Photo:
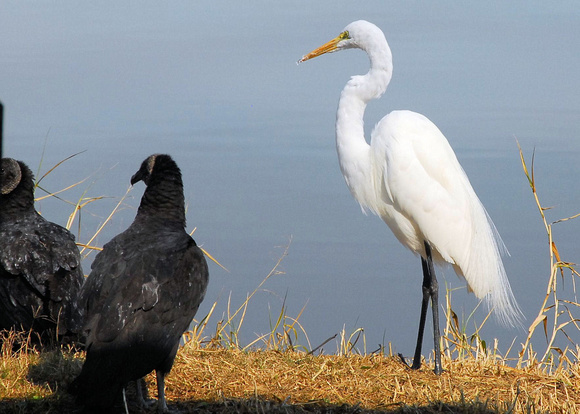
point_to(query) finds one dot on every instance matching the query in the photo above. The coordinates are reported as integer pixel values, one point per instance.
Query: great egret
(410, 177)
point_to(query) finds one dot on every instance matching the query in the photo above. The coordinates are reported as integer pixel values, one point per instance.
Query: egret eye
(344, 35)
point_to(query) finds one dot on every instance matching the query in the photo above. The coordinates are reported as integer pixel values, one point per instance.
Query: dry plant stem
(284, 330)
(55, 193)
(551, 290)
(195, 336)
(88, 244)
(55, 166)
(79, 205)
(209, 256)
(243, 307)
(347, 346)
(213, 259)
(455, 340)
(277, 341)
(552, 281)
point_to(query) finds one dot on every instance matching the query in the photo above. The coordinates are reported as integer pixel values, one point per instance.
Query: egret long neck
(353, 150)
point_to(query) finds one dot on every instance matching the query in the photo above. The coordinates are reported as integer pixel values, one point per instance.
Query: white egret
(410, 177)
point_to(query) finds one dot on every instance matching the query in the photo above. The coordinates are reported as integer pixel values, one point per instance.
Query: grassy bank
(213, 379)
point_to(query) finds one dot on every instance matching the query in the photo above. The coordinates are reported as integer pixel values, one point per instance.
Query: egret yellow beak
(325, 48)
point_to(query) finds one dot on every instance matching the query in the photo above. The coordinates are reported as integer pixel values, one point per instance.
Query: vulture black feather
(40, 269)
(142, 294)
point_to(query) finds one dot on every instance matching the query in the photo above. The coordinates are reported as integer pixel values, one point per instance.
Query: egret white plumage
(411, 178)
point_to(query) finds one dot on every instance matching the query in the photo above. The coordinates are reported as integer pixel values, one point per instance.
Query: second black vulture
(40, 264)
(142, 294)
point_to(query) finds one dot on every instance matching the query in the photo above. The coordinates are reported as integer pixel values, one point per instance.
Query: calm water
(215, 84)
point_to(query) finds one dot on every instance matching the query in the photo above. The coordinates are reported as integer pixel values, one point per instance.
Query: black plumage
(142, 294)
(40, 269)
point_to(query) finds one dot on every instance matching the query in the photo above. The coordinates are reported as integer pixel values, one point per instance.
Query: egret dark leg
(430, 291)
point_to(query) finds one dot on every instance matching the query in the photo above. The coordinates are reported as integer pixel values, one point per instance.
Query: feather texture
(143, 291)
(40, 269)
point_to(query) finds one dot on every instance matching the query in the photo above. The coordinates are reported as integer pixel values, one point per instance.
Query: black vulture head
(16, 187)
(155, 165)
(163, 196)
(11, 175)
(145, 170)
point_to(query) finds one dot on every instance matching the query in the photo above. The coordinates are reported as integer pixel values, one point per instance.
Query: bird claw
(437, 370)
(404, 361)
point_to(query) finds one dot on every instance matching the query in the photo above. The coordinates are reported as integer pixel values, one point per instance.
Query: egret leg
(430, 291)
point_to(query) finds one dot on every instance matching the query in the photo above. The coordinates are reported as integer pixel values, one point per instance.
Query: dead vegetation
(370, 382)
(207, 379)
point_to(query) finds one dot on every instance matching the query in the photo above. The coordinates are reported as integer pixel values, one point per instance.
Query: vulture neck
(20, 200)
(163, 200)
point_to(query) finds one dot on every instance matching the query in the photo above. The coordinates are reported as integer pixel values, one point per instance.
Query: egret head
(360, 34)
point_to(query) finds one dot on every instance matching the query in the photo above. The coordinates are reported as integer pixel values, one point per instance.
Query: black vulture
(40, 264)
(142, 294)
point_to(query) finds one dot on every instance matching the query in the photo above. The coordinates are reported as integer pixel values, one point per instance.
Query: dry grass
(210, 379)
(280, 372)
(371, 382)
(33, 381)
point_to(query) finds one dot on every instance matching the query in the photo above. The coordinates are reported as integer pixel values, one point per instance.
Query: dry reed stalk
(230, 338)
(553, 306)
